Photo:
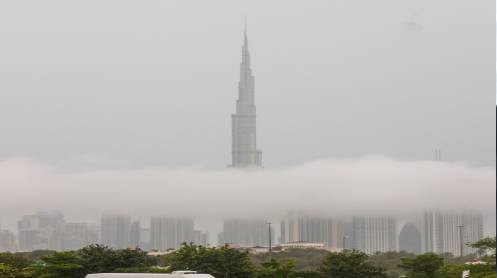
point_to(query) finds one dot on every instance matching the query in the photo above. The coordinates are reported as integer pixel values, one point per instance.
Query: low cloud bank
(335, 188)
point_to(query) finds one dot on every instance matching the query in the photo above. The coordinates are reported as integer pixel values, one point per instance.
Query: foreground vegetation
(224, 262)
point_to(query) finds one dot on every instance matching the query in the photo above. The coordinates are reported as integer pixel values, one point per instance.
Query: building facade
(301, 228)
(42, 230)
(77, 235)
(374, 234)
(115, 231)
(245, 232)
(169, 233)
(410, 239)
(244, 136)
(442, 231)
(7, 241)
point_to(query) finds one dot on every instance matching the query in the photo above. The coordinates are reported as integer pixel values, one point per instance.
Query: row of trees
(225, 262)
(76, 264)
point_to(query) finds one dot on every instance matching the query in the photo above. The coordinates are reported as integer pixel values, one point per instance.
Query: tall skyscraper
(244, 139)
(115, 231)
(374, 234)
(169, 233)
(441, 232)
(298, 227)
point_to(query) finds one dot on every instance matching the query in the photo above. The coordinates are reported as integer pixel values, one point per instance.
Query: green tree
(486, 246)
(59, 265)
(222, 262)
(97, 258)
(7, 271)
(423, 266)
(452, 271)
(349, 265)
(15, 260)
(18, 263)
(132, 258)
(276, 269)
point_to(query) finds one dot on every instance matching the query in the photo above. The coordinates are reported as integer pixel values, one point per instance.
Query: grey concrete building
(115, 231)
(296, 227)
(374, 234)
(169, 232)
(441, 232)
(7, 241)
(245, 232)
(410, 239)
(244, 137)
(42, 230)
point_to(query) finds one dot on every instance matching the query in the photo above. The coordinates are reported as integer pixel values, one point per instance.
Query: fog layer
(335, 188)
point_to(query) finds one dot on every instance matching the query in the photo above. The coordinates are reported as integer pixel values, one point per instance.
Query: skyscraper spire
(245, 40)
(244, 143)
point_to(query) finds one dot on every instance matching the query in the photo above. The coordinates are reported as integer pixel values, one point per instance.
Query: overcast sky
(145, 83)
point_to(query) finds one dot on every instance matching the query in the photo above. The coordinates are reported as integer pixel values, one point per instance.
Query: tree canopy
(349, 265)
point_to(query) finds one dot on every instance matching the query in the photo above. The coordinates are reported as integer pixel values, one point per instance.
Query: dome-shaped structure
(410, 239)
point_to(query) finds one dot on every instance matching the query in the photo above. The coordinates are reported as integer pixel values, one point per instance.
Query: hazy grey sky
(153, 83)
(147, 88)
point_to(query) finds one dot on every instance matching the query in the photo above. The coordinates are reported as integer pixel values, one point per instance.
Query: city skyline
(350, 121)
(431, 231)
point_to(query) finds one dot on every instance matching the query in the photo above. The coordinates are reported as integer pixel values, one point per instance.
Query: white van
(175, 274)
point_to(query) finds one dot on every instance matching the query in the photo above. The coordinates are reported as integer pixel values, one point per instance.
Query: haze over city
(127, 109)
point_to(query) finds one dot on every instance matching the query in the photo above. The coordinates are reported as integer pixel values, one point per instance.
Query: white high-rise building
(245, 232)
(7, 241)
(200, 238)
(441, 232)
(374, 234)
(115, 231)
(77, 235)
(169, 233)
(244, 135)
(134, 234)
(43, 230)
(300, 228)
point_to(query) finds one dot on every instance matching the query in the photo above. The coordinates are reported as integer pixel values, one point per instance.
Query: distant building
(301, 228)
(145, 239)
(244, 132)
(43, 230)
(115, 231)
(245, 232)
(441, 234)
(7, 241)
(78, 235)
(410, 239)
(134, 234)
(374, 234)
(169, 233)
(200, 238)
